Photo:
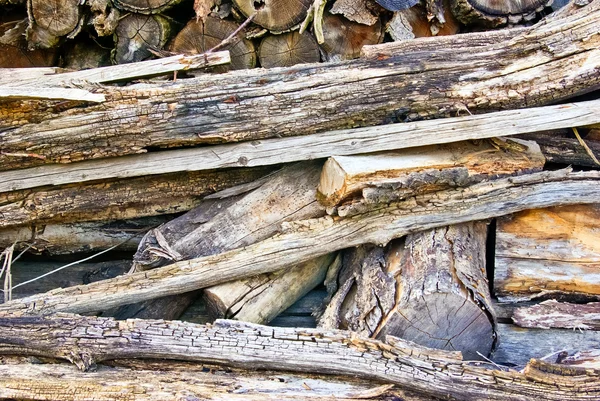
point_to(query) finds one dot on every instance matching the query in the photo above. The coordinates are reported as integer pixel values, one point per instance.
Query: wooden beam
(283, 150)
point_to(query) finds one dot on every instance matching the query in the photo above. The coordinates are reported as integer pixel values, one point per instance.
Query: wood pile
(300, 200)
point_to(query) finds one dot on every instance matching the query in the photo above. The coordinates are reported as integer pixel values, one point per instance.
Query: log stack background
(195, 196)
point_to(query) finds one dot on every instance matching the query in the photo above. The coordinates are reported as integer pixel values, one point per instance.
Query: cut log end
(274, 15)
(288, 49)
(137, 34)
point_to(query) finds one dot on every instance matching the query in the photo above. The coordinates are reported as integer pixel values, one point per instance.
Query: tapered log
(136, 34)
(198, 37)
(552, 313)
(61, 239)
(167, 381)
(260, 299)
(488, 13)
(304, 240)
(87, 340)
(288, 49)
(50, 20)
(463, 163)
(274, 15)
(118, 199)
(14, 52)
(345, 39)
(418, 79)
(547, 251)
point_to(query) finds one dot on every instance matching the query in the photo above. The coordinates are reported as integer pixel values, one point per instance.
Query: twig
(587, 149)
(230, 38)
(488, 360)
(23, 251)
(6, 266)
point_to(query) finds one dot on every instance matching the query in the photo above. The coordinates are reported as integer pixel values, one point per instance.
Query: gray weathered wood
(303, 240)
(282, 150)
(556, 314)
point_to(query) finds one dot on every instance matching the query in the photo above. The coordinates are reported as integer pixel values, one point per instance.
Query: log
(344, 39)
(198, 37)
(413, 23)
(281, 150)
(145, 7)
(136, 34)
(89, 340)
(288, 49)
(548, 251)
(45, 30)
(262, 298)
(345, 176)
(118, 199)
(61, 239)
(274, 15)
(304, 240)
(482, 72)
(154, 381)
(14, 52)
(491, 14)
(556, 314)
(364, 12)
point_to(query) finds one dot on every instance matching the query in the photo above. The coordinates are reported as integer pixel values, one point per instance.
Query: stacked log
(423, 244)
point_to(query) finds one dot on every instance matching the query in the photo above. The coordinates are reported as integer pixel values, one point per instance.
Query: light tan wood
(548, 251)
(136, 34)
(10, 93)
(46, 29)
(274, 15)
(345, 176)
(304, 240)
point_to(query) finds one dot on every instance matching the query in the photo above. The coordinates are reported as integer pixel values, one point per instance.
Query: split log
(304, 240)
(462, 163)
(260, 299)
(288, 49)
(281, 150)
(61, 239)
(517, 345)
(51, 20)
(154, 381)
(88, 340)
(412, 289)
(136, 34)
(548, 251)
(118, 199)
(345, 39)
(198, 37)
(482, 72)
(491, 14)
(274, 15)
(552, 313)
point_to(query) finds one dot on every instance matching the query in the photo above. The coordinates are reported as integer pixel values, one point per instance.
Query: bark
(117, 199)
(556, 314)
(301, 241)
(548, 251)
(86, 341)
(281, 150)
(288, 49)
(464, 163)
(482, 72)
(175, 381)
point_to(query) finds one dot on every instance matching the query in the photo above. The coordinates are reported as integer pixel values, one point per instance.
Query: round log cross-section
(288, 49)
(198, 37)
(136, 33)
(275, 15)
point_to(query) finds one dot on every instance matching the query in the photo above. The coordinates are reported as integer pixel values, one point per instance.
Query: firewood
(274, 15)
(463, 162)
(345, 39)
(200, 36)
(45, 27)
(548, 251)
(413, 23)
(14, 52)
(136, 34)
(301, 241)
(118, 199)
(288, 49)
(145, 6)
(492, 14)
(89, 340)
(552, 313)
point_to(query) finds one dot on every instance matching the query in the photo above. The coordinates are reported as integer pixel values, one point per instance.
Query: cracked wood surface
(88, 340)
(301, 241)
(553, 60)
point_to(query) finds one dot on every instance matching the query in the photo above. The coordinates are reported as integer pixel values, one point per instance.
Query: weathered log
(547, 251)
(88, 340)
(556, 314)
(168, 381)
(274, 15)
(51, 20)
(288, 49)
(118, 199)
(482, 72)
(136, 34)
(198, 37)
(260, 299)
(304, 240)
(345, 176)
(517, 345)
(61, 239)
(281, 150)
(345, 39)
